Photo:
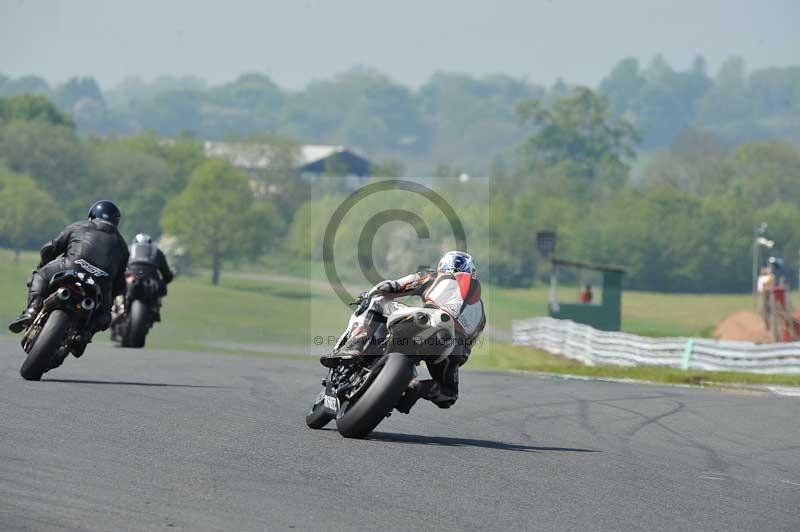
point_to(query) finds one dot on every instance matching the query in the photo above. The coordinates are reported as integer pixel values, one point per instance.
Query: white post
(553, 287)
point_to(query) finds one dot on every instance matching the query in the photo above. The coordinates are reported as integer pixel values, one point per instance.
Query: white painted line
(790, 482)
(711, 478)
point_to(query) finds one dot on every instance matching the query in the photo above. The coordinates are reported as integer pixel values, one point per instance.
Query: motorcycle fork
(33, 330)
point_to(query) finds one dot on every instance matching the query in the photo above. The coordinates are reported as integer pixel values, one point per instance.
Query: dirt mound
(744, 325)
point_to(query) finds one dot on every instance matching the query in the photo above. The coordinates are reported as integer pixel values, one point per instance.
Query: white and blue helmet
(458, 261)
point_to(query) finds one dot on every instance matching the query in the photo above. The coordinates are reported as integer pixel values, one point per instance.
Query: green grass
(195, 313)
(643, 313)
(12, 284)
(495, 356)
(244, 315)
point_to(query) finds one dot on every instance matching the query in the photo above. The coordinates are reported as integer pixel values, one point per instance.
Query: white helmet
(458, 261)
(142, 238)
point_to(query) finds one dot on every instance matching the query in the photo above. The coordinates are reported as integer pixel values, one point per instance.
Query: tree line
(680, 218)
(452, 122)
(49, 176)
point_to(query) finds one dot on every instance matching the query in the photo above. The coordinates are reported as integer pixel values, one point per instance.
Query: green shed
(605, 314)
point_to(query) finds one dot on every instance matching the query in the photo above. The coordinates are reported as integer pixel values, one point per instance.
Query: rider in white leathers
(454, 288)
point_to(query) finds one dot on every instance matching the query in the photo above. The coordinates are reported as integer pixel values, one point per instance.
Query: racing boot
(78, 347)
(352, 348)
(83, 339)
(409, 398)
(28, 315)
(100, 322)
(426, 389)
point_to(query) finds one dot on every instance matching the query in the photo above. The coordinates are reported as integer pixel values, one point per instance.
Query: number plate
(331, 403)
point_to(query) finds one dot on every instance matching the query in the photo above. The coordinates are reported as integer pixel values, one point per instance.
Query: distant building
(312, 159)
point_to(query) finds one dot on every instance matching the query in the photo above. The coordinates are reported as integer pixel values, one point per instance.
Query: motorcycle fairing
(427, 326)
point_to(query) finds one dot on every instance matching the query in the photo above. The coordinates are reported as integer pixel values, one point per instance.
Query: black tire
(318, 416)
(48, 341)
(139, 324)
(378, 400)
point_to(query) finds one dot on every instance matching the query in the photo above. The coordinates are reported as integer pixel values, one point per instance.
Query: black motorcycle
(69, 305)
(135, 314)
(361, 392)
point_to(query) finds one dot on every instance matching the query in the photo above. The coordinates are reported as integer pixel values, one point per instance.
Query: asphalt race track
(157, 440)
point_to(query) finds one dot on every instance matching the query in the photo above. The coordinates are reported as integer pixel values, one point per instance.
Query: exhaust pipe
(62, 294)
(87, 304)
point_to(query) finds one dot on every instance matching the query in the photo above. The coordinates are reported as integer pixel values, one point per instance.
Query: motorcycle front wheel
(318, 416)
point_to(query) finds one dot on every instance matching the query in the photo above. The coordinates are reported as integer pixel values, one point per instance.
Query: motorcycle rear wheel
(139, 324)
(46, 345)
(375, 403)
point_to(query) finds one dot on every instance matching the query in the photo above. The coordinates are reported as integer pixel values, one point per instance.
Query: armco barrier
(592, 346)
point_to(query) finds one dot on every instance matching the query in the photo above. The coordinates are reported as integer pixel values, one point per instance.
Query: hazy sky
(296, 41)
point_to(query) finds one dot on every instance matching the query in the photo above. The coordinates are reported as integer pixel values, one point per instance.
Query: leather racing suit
(460, 296)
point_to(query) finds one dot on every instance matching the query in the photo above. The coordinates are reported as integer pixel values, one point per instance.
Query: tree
(666, 104)
(171, 113)
(729, 102)
(252, 91)
(216, 216)
(27, 213)
(30, 107)
(25, 85)
(52, 155)
(579, 134)
(77, 89)
(388, 168)
(697, 162)
(139, 182)
(623, 85)
(768, 172)
(279, 179)
(473, 118)
(360, 107)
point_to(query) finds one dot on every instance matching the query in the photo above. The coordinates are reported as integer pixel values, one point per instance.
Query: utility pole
(546, 244)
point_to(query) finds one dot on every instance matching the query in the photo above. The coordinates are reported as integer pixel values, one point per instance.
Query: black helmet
(106, 211)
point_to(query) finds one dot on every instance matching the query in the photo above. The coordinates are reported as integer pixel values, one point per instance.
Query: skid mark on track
(713, 458)
(582, 411)
(655, 419)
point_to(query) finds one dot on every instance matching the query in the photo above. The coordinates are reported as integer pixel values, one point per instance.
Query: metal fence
(592, 346)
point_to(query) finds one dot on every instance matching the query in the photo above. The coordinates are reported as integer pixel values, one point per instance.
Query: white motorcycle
(360, 392)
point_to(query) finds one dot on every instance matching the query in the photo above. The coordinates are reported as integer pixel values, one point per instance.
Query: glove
(362, 303)
(385, 287)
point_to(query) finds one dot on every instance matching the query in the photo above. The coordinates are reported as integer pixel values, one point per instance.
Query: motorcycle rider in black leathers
(145, 254)
(145, 257)
(95, 241)
(454, 288)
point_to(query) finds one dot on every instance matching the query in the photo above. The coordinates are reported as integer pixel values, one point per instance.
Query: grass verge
(497, 356)
(244, 312)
